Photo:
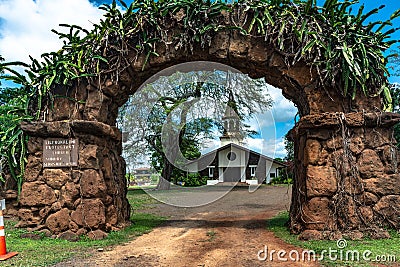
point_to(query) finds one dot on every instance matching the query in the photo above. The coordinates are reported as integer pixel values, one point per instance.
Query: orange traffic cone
(3, 249)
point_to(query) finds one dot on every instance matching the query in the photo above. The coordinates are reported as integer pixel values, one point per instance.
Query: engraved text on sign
(60, 152)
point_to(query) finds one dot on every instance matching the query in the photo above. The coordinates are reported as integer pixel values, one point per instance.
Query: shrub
(192, 180)
(281, 180)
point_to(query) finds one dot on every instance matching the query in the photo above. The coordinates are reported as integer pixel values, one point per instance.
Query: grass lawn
(384, 247)
(48, 251)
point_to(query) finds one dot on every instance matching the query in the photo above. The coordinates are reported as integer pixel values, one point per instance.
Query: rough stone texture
(111, 215)
(77, 199)
(33, 168)
(389, 208)
(55, 178)
(367, 214)
(69, 193)
(107, 168)
(90, 213)
(69, 235)
(45, 211)
(11, 197)
(81, 231)
(35, 145)
(36, 194)
(383, 184)
(321, 181)
(59, 221)
(356, 145)
(97, 235)
(348, 218)
(73, 226)
(351, 184)
(90, 157)
(316, 214)
(369, 164)
(311, 155)
(92, 184)
(353, 235)
(368, 198)
(334, 235)
(96, 106)
(56, 206)
(379, 234)
(27, 218)
(311, 235)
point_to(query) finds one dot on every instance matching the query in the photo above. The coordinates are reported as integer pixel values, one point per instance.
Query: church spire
(232, 124)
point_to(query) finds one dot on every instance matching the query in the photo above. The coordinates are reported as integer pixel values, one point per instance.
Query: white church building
(232, 161)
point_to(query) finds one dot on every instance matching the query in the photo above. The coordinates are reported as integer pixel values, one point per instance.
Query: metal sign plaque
(60, 152)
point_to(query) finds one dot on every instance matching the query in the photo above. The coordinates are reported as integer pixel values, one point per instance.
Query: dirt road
(227, 232)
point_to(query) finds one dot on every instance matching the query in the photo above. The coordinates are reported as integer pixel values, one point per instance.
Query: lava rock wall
(347, 178)
(75, 200)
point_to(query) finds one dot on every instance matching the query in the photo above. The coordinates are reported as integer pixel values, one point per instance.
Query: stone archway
(346, 168)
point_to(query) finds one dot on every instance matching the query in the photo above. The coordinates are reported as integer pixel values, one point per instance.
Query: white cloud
(26, 25)
(255, 144)
(282, 109)
(274, 148)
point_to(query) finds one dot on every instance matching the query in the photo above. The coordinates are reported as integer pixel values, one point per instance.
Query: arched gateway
(346, 174)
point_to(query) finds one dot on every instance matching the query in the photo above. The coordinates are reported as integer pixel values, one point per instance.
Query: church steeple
(232, 124)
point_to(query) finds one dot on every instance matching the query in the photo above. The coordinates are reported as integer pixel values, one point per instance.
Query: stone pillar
(346, 177)
(75, 200)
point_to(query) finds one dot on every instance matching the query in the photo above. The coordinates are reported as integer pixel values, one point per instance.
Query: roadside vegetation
(44, 251)
(383, 247)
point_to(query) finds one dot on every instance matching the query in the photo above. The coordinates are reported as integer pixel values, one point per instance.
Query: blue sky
(25, 29)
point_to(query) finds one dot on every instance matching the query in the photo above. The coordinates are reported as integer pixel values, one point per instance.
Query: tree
(289, 147)
(394, 64)
(170, 118)
(169, 139)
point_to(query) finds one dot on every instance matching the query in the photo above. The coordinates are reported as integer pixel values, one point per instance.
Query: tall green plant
(346, 52)
(13, 110)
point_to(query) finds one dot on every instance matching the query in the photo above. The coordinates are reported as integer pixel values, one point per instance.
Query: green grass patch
(49, 251)
(139, 199)
(383, 247)
(146, 187)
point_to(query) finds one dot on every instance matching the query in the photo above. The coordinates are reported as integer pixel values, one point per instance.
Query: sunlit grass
(386, 247)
